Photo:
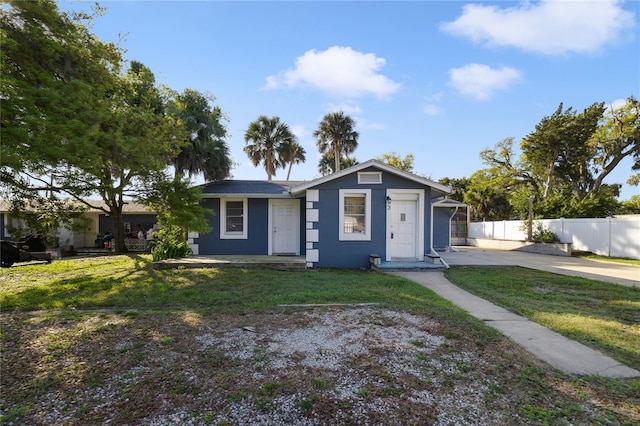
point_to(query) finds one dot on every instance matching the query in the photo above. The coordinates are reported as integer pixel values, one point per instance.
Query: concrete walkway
(564, 354)
(618, 273)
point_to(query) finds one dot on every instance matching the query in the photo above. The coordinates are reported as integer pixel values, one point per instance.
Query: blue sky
(441, 80)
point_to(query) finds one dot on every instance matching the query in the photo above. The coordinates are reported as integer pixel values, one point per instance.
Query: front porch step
(407, 267)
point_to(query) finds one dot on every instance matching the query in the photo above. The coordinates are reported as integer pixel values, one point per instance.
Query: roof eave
(442, 189)
(245, 195)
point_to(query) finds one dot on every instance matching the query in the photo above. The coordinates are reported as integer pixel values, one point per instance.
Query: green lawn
(602, 315)
(61, 321)
(625, 260)
(128, 282)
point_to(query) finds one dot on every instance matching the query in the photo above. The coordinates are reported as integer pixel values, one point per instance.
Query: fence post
(609, 236)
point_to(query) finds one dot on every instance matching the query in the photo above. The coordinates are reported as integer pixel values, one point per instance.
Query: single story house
(336, 221)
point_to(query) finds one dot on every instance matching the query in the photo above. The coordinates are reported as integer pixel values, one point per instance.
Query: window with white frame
(355, 215)
(233, 218)
(369, 178)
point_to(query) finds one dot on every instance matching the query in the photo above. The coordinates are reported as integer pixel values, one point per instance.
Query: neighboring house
(335, 221)
(96, 223)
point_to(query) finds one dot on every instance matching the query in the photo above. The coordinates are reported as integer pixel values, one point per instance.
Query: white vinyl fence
(611, 236)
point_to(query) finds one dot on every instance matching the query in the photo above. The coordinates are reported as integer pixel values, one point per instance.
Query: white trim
(313, 195)
(224, 235)
(369, 178)
(246, 195)
(312, 256)
(447, 202)
(372, 163)
(408, 195)
(313, 215)
(313, 235)
(364, 236)
(270, 221)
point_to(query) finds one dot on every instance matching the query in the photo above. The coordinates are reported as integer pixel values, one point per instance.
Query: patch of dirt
(297, 367)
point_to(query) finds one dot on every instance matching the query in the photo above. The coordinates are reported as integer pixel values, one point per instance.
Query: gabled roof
(439, 188)
(248, 188)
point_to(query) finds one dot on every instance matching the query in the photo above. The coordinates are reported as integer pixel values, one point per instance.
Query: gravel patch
(335, 366)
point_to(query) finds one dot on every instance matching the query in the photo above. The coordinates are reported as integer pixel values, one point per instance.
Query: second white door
(402, 232)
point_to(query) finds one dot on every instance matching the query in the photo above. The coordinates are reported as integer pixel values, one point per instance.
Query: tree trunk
(547, 187)
(118, 230)
(289, 171)
(336, 154)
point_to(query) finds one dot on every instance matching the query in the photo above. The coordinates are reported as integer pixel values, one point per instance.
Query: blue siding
(257, 231)
(334, 253)
(441, 237)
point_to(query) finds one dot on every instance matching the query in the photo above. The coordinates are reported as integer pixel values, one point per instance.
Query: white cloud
(481, 81)
(347, 108)
(300, 131)
(548, 27)
(370, 126)
(339, 71)
(432, 109)
(432, 104)
(616, 104)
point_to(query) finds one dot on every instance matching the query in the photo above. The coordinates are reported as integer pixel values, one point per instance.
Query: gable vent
(370, 178)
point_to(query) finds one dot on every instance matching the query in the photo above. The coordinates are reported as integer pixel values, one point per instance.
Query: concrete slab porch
(280, 263)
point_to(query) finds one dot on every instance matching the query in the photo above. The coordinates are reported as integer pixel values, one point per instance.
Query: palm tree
(327, 165)
(207, 152)
(267, 135)
(335, 137)
(291, 153)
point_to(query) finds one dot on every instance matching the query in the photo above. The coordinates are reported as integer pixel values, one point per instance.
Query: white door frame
(283, 202)
(416, 195)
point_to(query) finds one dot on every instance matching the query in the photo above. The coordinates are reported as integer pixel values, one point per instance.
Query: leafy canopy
(74, 126)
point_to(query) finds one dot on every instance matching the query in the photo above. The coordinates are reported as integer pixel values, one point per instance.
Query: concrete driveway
(617, 273)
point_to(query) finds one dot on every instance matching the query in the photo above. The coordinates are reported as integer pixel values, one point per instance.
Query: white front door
(402, 230)
(285, 227)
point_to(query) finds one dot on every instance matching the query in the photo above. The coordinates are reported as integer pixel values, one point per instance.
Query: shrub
(171, 244)
(541, 234)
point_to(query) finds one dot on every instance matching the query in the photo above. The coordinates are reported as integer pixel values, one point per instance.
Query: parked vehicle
(31, 248)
